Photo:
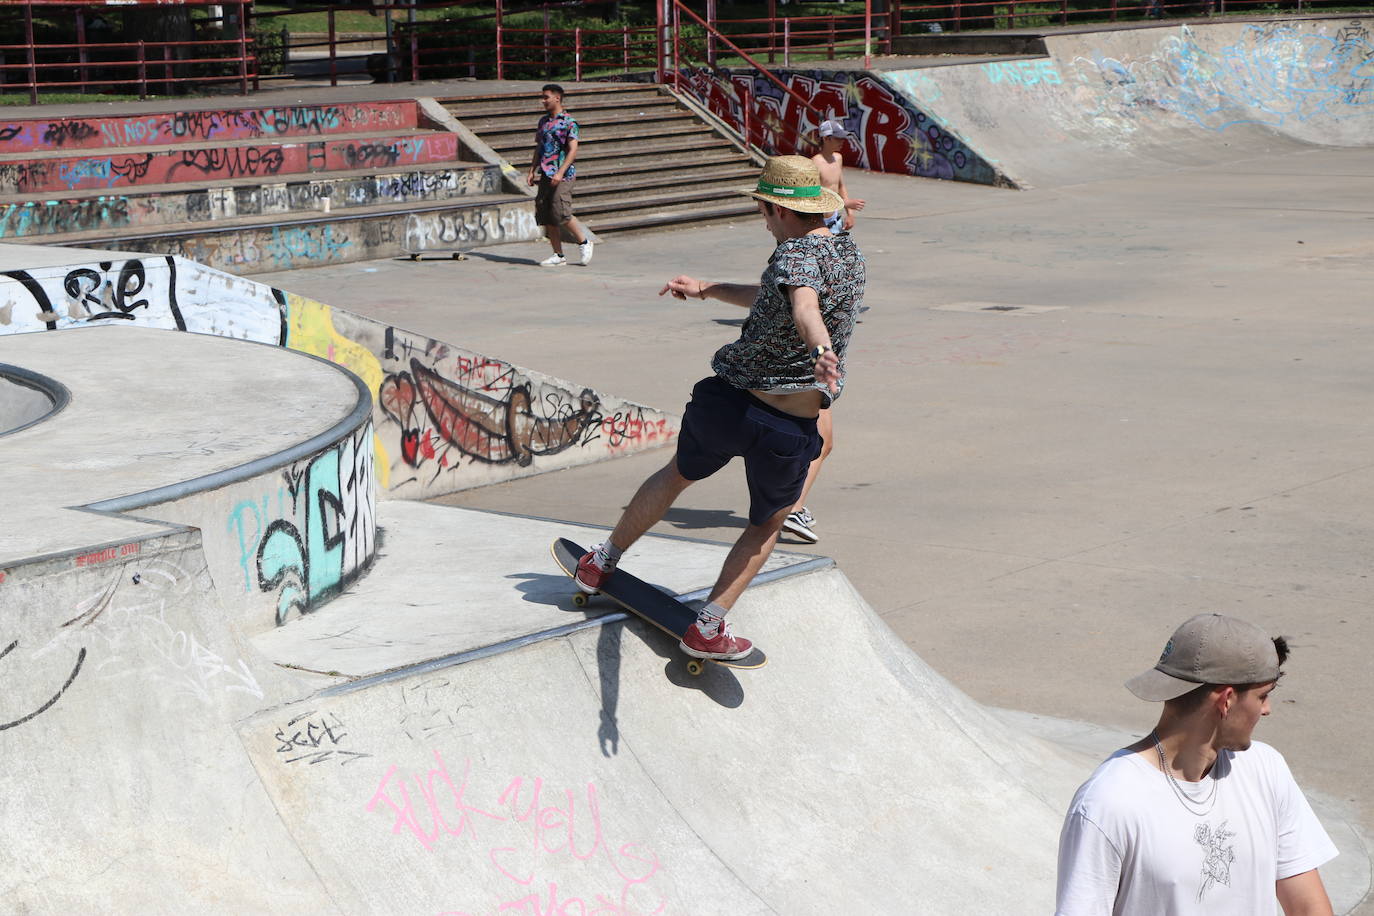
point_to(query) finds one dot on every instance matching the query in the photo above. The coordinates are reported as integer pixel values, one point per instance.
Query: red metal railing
(692, 70)
(91, 66)
(456, 47)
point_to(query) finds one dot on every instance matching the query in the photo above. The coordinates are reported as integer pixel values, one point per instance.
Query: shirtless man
(831, 166)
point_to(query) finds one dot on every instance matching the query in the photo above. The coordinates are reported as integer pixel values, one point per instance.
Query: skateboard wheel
(459, 256)
(415, 257)
(580, 599)
(695, 667)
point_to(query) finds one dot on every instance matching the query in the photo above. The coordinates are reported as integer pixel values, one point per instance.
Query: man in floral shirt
(765, 393)
(555, 149)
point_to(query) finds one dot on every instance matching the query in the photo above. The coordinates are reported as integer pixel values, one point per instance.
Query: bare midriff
(798, 404)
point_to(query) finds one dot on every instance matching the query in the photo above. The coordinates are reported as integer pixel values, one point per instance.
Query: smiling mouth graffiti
(497, 428)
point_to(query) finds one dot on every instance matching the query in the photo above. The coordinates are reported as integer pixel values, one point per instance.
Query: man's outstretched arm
(685, 287)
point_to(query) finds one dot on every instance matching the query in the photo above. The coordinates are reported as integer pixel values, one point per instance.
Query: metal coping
(55, 391)
(361, 412)
(814, 564)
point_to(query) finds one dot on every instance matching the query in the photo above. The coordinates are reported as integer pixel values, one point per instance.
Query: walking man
(1196, 818)
(555, 150)
(764, 395)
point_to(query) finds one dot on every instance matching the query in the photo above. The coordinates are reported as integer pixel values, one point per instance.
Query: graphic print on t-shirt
(1217, 855)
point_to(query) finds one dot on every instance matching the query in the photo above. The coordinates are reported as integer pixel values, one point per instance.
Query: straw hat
(793, 182)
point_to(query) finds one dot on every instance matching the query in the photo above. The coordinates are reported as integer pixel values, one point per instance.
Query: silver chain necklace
(1189, 803)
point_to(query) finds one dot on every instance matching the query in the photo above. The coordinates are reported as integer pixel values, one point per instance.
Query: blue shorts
(722, 422)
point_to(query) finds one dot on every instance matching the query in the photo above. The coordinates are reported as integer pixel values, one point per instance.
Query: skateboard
(648, 603)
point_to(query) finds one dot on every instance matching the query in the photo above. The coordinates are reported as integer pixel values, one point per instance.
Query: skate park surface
(1076, 416)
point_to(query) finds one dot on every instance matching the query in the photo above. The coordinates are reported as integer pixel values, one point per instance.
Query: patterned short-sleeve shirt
(551, 137)
(770, 355)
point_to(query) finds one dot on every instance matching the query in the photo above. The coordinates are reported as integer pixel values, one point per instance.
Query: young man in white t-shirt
(1196, 818)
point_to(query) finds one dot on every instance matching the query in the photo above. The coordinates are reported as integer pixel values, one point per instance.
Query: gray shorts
(553, 202)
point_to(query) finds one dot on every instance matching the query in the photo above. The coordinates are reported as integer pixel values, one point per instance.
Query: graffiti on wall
(444, 418)
(37, 134)
(135, 169)
(313, 532)
(470, 227)
(118, 211)
(884, 131)
(125, 623)
(141, 290)
(1274, 74)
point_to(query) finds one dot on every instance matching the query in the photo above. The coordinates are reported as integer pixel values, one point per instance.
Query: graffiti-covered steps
(254, 189)
(160, 206)
(645, 160)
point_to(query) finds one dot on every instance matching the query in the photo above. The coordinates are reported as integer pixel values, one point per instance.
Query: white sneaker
(802, 524)
(553, 260)
(586, 249)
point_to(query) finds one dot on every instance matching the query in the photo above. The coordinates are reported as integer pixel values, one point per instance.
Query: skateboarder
(555, 150)
(767, 389)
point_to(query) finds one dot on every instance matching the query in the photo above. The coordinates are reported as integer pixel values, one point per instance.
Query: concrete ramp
(590, 770)
(1113, 103)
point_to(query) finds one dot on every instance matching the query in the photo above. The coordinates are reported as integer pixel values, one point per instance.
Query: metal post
(577, 54)
(33, 62)
(390, 44)
(414, 53)
(625, 42)
(868, 32)
(894, 22)
(658, 41)
(772, 28)
(81, 54)
(500, 38)
(786, 43)
(677, 59)
(245, 12)
(333, 55)
(548, 67)
(958, 15)
(142, 71)
(711, 32)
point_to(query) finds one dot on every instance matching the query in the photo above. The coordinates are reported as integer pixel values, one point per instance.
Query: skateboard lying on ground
(649, 603)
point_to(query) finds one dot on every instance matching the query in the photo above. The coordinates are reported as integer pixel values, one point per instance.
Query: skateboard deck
(647, 603)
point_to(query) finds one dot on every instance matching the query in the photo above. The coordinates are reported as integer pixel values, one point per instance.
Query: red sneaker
(590, 575)
(722, 645)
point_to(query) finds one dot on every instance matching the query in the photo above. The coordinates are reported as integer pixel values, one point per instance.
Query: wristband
(819, 351)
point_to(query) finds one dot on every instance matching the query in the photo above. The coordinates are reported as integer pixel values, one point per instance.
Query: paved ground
(1172, 419)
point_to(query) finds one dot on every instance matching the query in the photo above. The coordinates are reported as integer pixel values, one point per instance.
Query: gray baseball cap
(1209, 649)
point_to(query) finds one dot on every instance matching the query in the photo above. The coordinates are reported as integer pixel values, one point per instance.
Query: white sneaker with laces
(801, 523)
(586, 249)
(553, 260)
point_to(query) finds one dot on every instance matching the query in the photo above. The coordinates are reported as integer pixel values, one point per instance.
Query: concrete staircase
(253, 189)
(645, 161)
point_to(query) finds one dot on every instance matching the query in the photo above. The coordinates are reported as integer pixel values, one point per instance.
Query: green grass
(65, 98)
(345, 20)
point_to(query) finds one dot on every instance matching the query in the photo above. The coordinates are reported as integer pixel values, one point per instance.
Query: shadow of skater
(703, 518)
(608, 666)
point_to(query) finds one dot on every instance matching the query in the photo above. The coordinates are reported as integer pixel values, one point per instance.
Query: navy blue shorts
(722, 422)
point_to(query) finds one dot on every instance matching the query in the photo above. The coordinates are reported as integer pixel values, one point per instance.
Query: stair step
(623, 132)
(656, 199)
(603, 151)
(217, 125)
(206, 164)
(524, 123)
(268, 221)
(734, 175)
(674, 218)
(36, 216)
